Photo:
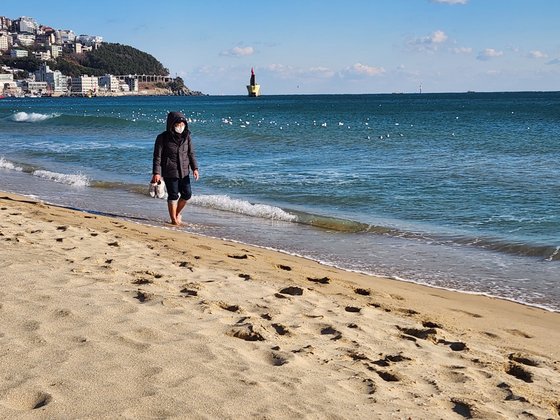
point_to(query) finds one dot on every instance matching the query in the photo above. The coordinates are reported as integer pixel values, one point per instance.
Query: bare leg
(172, 208)
(180, 206)
(175, 208)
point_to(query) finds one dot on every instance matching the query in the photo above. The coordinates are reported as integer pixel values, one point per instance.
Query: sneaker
(160, 189)
(152, 189)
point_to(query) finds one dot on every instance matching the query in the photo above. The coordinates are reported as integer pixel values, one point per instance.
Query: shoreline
(159, 322)
(316, 257)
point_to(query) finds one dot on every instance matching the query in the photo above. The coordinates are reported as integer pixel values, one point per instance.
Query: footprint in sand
(284, 267)
(228, 307)
(388, 359)
(519, 358)
(26, 399)
(280, 329)
(454, 345)
(337, 335)
(189, 292)
(519, 372)
(353, 309)
(407, 312)
(423, 334)
(462, 408)
(354, 355)
(292, 291)
(245, 332)
(143, 296)
(430, 324)
(323, 280)
(387, 376)
(519, 333)
(185, 264)
(238, 256)
(510, 396)
(363, 292)
(277, 358)
(245, 276)
(360, 385)
(142, 280)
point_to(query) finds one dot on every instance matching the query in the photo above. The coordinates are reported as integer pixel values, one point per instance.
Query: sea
(459, 191)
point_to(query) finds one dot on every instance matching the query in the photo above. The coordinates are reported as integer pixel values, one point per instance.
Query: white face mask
(179, 129)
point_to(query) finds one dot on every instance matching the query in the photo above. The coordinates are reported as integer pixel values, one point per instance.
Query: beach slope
(104, 318)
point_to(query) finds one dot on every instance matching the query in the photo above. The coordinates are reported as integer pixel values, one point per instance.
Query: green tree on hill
(122, 59)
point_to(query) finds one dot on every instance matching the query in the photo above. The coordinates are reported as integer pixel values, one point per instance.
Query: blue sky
(329, 46)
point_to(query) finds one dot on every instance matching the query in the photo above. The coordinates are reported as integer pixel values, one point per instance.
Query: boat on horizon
(253, 89)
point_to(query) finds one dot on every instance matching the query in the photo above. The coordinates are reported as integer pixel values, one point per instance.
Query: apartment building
(18, 53)
(4, 42)
(85, 85)
(56, 81)
(109, 83)
(25, 40)
(25, 25)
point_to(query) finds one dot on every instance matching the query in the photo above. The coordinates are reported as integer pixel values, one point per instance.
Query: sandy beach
(103, 318)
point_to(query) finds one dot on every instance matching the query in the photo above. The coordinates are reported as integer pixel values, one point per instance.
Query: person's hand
(195, 174)
(156, 178)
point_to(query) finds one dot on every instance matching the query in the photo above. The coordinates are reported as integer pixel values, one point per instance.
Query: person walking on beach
(174, 158)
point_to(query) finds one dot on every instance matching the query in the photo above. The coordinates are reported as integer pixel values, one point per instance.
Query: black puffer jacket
(174, 153)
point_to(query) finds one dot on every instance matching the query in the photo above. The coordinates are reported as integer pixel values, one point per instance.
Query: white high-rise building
(65, 36)
(109, 82)
(26, 40)
(4, 42)
(89, 40)
(85, 85)
(56, 50)
(57, 82)
(26, 25)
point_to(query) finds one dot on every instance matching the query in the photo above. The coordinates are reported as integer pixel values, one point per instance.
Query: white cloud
(359, 69)
(462, 50)
(537, 54)
(430, 42)
(239, 52)
(288, 72)
(451, 1)
(489, 53)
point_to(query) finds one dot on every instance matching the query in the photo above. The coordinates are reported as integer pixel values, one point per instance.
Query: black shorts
(178, 186)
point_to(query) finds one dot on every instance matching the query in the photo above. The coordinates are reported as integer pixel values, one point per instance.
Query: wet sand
(103, 318)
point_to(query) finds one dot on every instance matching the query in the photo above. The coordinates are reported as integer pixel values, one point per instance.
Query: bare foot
(179, 219)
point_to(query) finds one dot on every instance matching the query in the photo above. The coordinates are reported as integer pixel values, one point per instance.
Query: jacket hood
(175, 117)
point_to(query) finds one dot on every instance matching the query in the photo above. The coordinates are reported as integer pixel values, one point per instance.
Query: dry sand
(102, 318)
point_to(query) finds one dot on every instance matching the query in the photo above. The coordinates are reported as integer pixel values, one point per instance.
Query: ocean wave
(224, 202)
(32, 117)
(6, 164)
(76, 180)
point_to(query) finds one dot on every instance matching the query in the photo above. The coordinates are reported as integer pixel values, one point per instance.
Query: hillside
(110, 59)
(107, 59)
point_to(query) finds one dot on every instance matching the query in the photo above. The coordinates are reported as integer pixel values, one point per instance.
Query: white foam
(5, 164)
(224, 202)
(32, 117)
(76, 180)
